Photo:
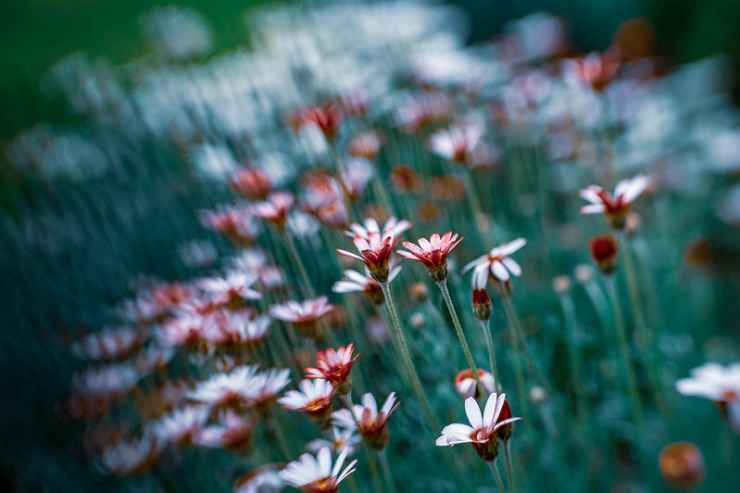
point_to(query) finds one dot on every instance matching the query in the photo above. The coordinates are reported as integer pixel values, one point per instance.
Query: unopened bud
(481, 304)
(682, 465)
(604, 250)
(420, 292)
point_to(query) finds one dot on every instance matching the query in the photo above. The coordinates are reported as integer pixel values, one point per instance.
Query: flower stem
(571, 328)
(625, 350)
(386, 471)
(509, 467)
(497, 476)
(486, 326)
(460, 334)
(299, 263)
(406, 356)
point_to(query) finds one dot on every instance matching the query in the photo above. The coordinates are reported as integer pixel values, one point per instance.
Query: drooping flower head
(616, 207)
(467, 386)
(720, 384)
(353, 281)
(376, 245)
(497, 265)
(481, 432)
(250, 182)
(314, 399)
(366, 418)
(334, 366)
(604, 250)
(456, 143)
(304, 315)
(316, 474)
(432, 253)
(275, 209)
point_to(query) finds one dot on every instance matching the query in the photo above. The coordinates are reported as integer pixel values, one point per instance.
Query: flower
(108, 344)
(353, 281)
(233, 433)
(614, 208)
(326, 119)
(224, 388)
(264, 387)
(482, 430)
(313, 399)
(365, 145)
(237, 329)
(316, 474)
(304, 315)
(720, 384)
(432, 253)
(235, 221)
(604, 250)
(466, 385)
(456, 143)
(366, 418)
(356, 174)
(481, 304)
(236, 286)
(275, 209)
(682, 465)
(375, 245)
(264, 479)
(496, 264)
(334, 366)
(340, 439)
(128, 458)
(180, 427)
(106, 381)
(250, 182)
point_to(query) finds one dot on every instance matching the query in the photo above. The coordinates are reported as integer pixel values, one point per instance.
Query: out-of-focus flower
(225, 389)
(198, 253)
(316, 474)
(177, 33)
(214, 162)
(497, 264)
(264, 479)
(234, 287)
(340, 440)
(237, 329)
(314, 399)
(432, 253)
(481, 432)
(161, 400)
(418, 113)
(406, 179)
(184, 330)
(365, 145)
(538, 36)
(233, 432)
(356, 174)
(326, 119)
(107, 381)
(303, 315)
(597, 69)
(250, 182)
(334, 366)
(130, 458)
(456, 143)
(108, 344)
(275, 209)
(375, 245)
(366, 418)
(682, 465)
(353, 282)
(616, 207)
(264, 387)
(718, 383)
(181, 427)
(481, 304)
(466, 385)
(604, 250)
(236, 222)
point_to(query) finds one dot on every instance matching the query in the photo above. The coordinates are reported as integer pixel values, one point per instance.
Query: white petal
(489, 412)
(499, 271)
(473, 412)
(512, 265)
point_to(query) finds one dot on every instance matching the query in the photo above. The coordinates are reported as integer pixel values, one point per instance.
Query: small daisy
(236, 222)
(481, 432)
(316, 474)
(334, 366)
(129, 458)
(264, 479)
(356, 174)
(466, 385)
(376, 246)
(238, 329)
(366, 418)
(432, 253)
(264, 387)
(354, 282)
(235, 286)
(326, 119)
(718, 383)
(183, 330)
(497, 264)
(304, 315)
(314, 399)
(224, 388)
(456, 143)
(108, 344)
(275, 209)
(233, 433)
(365, 145)
(616, 207)
(107, 381)
(250, 182)
(180, 427)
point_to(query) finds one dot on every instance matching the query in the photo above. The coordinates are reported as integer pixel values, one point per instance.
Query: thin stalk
(386, 471)
(486, 326)
(276, 431)
(497, 476)
(510, 479)
(406, 356)
(624, 349)
(571, 327)
(518, 332)
(299, 263)
(460, 334)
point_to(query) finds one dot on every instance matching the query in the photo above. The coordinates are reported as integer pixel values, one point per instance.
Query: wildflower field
(364, 256)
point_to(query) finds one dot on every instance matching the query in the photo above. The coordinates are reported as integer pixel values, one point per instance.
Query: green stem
(571, 328)
(625, 350)
(497, 476)
(486, 326)
(406, 357)
(509, 467)
(386, 471)
(299, 263)
(460, 334)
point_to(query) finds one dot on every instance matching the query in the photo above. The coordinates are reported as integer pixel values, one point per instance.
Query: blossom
(353, 281)
(238, 328)
(107, 381)
(432, 253)
(235, 221)
(456, 143)
(250, 182)
(128, 458)
(304, 315)
(616, 207)
(224, 388)
(376, 246)
(481, 432)
(720, 384)
(233, 432)
(356, 174)
(264, 387)
(334, 366)
(316, 474)
(264, 479)
(108, 344)
(275, 209)
(326, 119)
(314, 399)
(180, 427)
(235, 286)
(604, 249)
(496, 264)
(340, 439)
(365, 145)
(466, 385)
(481, 304)
(366, 418)
(183, 330)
